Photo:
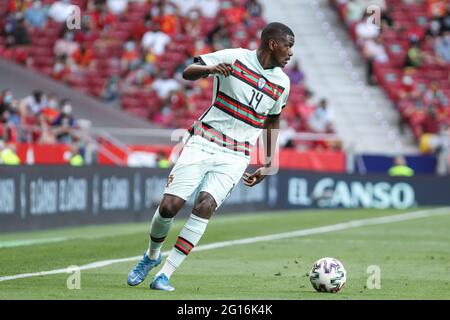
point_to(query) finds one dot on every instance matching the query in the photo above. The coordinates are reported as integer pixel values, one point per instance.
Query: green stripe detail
(249, 115)
(278, 93)
(184, 246)
(214, 136)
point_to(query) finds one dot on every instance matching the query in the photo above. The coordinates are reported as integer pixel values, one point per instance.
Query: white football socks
(189, 237)
(158, 231)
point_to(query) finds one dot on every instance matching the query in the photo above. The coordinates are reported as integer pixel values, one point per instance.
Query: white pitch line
(29, 242)
(271, 237)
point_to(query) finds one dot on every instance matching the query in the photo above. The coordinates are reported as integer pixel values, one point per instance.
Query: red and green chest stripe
(257, 81)
(209, 133)
(239, 110)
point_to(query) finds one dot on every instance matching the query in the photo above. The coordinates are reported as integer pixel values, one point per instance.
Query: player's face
(282, 51)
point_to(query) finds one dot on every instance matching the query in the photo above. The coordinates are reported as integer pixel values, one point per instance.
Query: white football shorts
(204, 166)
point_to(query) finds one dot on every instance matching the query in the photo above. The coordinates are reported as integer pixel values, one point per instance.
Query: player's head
(278, 39)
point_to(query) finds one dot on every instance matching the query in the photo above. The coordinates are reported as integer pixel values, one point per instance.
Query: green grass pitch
(413, 256)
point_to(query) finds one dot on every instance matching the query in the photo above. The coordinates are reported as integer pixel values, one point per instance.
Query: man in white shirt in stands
(156, 40)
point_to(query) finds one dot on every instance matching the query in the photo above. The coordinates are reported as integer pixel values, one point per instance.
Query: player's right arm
(196, 71)
(215, 63)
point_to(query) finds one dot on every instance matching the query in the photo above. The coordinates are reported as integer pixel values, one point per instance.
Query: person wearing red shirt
(83, 56)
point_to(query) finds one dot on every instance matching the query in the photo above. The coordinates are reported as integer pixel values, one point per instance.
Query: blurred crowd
(36, 118)
(134, 52)
(408, 55)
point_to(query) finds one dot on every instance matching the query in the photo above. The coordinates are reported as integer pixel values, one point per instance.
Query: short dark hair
(275, 30)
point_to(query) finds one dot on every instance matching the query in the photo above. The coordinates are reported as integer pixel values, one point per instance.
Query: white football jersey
(241, 101)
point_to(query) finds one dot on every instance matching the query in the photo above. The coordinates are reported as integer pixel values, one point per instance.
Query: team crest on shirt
(261, 83)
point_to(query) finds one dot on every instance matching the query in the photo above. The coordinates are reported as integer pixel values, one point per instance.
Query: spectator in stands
(30, 107)
(36, 15)
(139, 78)
(21, 36)
(65, 46)
(8, 155)
(156, 40)
(408, 88)
(83, 56)
(65, 123)
(61, 69)
(59, 11)
(220, 27)
(320, 120)
(102, 19)
(400, 168)
(149, 63)
(429, 132)
(164, 85)
(131, 57)
(6, 99)
(415, 57)
(184, 6)
(76, 158)
(87, 32)
(220, 40)
(430, 124)
(303, 110)
(192, 25)
(10, 24)
(45, 134)
(442, 47)
(208, 8)
(374, 51)
(9, 114)
(51, 111)
(111, 90)
(169, 20)
(254, 8)
(5, 104)
(117, 7)
(233, 11)
(434, 28)
(433, 95)
(446, 19)
(161, 160)
(218, 37)
(435, 8)
(295, 74)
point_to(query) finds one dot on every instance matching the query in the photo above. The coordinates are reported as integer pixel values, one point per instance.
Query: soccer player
(250, 90)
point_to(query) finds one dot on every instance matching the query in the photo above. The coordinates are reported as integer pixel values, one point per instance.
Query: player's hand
(253, 179)
(224, 69)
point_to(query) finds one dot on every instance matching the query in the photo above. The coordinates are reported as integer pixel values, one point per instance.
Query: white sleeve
(281, 102)
(221, 56)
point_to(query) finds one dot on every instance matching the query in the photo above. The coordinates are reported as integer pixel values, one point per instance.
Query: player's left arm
(270, 137)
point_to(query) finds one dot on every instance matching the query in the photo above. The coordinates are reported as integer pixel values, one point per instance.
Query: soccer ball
(328, 275)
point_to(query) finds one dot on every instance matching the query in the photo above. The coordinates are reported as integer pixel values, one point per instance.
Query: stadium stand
(134, 52)
(409, 57)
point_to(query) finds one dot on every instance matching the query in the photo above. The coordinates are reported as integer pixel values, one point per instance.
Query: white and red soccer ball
(328, 275)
